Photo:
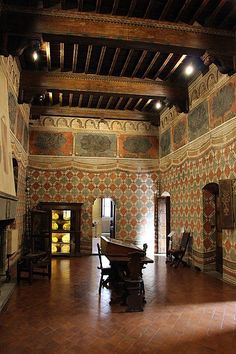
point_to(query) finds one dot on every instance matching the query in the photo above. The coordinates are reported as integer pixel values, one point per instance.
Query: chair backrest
(99, 255)
(145, 246)
(184, 241)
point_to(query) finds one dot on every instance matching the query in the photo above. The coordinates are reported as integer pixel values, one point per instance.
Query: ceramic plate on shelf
(65, 249)
(55, 216)
(66, 238)
(66, 214)
(54, 225)
(66, 226)
(54, 249)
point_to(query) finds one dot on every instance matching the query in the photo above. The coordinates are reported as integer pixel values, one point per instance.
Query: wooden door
(162, 224)
(219, 248)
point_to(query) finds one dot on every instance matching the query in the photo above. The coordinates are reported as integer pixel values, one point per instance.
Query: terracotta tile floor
(187, 312)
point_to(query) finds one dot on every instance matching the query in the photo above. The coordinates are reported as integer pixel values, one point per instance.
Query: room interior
(129, 100)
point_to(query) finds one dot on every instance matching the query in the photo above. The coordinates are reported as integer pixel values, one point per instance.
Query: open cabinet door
(162, 224)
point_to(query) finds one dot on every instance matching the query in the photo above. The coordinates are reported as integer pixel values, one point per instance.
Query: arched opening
(212, 230)
(15, 172)
(103, 220)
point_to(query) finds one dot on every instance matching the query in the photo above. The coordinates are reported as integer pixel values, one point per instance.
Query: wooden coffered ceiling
(115, 58)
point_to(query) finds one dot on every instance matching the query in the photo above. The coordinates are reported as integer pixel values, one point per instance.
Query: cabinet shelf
(60, 242)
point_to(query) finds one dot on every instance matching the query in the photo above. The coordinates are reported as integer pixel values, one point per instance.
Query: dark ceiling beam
(37, 83)
(48, 55)
(211, 19)
(166, 9)
(131, 8)
(147, 12)
(230, 17)
(96, 84)
(182, 10)
(114, 7)
(100, 61)
(80, 5)
(138, 34)
(62, 56)
(98, 5)
(199, 11)
(91, 112)
(114, 60)
(75, 57)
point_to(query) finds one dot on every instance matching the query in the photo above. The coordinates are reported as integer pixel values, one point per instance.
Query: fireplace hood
(7, 209)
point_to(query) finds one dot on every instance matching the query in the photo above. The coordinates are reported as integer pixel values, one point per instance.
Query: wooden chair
(177, 254)
(105, 271)
(134, 283)
(33, 263)
(37, 261)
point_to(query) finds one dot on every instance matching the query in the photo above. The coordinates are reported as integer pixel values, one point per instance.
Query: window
(106, 207)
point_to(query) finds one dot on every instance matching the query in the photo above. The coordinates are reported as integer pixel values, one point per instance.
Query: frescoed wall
(138, 146)
(102, 164)
(132, 192)
(207, 158)
(96, 145)
(18, 121)
(46, 143)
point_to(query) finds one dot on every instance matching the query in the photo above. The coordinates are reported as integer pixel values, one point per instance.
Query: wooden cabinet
(64, 221)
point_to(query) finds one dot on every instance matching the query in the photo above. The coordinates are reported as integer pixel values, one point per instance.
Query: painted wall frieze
(215, 139)
(199, 90)
(95, 124)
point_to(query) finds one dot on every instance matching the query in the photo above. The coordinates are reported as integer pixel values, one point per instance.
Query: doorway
(162, 223)
(212, 230)
(103, 220)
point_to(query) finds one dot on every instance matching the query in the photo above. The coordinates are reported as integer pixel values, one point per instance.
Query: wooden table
(126, 280)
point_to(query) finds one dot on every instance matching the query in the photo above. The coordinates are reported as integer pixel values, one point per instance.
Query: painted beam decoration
(96, 145)
(138, 146)
(57, 144)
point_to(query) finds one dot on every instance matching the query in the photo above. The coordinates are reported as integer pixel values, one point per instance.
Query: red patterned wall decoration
(48, 143)
(185, 174)
(132, 192)
(209, 226)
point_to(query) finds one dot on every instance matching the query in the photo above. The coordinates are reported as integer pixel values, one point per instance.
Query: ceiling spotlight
(35, 55)
(158, 105)
(189, 70)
